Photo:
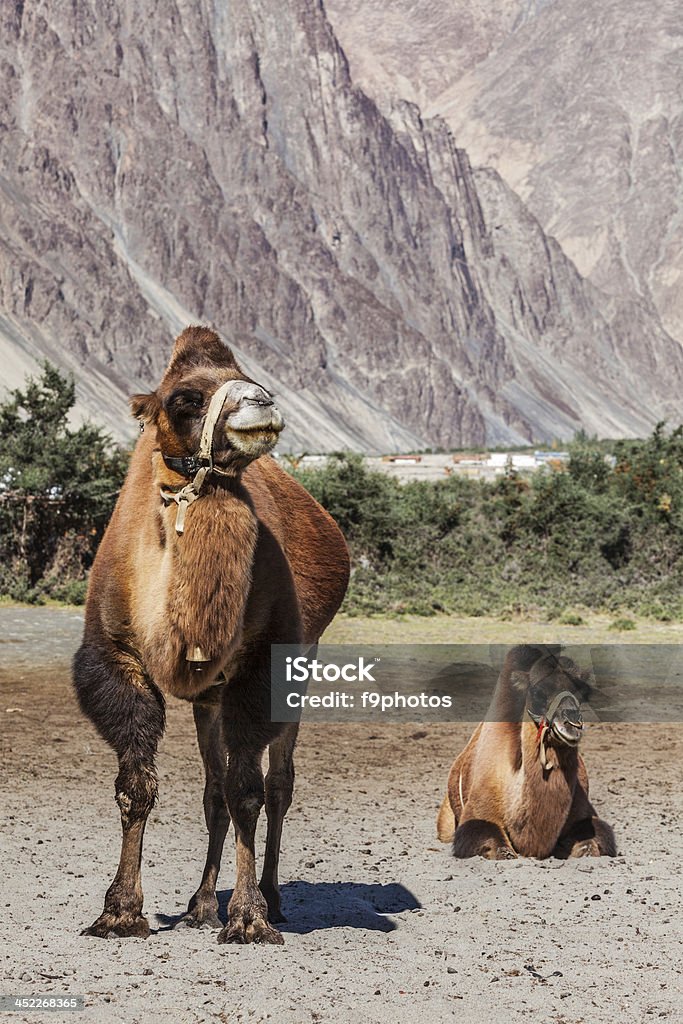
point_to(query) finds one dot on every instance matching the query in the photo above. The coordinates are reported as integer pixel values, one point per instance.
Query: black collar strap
(186, 465)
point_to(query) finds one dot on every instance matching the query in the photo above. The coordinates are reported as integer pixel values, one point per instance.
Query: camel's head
(554, 689)
(240, 424)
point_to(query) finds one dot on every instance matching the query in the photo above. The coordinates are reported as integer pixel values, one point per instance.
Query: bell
(196, 654)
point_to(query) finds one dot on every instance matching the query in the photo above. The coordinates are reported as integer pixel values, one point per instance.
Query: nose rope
(190, 492)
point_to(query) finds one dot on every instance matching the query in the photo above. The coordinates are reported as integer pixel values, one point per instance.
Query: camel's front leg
(584, 834)
(590, 837)
(247, 910)
(135, 794)
(475, 837)
(128, 711)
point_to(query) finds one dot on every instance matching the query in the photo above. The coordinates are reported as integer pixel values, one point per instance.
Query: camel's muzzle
(254, 426)
(564, 718)
(567, 726)
(562, 721)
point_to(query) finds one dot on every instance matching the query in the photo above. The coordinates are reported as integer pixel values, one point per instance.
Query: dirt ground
(383, 925)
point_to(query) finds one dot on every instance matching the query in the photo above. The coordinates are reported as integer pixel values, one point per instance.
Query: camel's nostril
(257, 401)
(256, 395)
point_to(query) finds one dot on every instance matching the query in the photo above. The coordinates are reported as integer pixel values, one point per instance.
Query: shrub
(57, 489)
(607, 534)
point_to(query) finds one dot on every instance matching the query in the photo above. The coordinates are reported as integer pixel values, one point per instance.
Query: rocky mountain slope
(578, 106)
(403, 49)
(215, 163)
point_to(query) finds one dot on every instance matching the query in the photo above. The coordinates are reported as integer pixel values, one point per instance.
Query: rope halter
(202, 461)
(545, 725)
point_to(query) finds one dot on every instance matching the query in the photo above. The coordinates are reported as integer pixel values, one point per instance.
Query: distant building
(470, 458)
(542, 456)
(517, 460)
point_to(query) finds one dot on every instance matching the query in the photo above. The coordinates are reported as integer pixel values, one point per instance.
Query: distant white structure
(542, 457)
(476, 465)
(515, 460)
(482, 466)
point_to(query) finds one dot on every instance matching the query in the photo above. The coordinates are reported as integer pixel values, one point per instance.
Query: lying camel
(212, 555)
(520, 787)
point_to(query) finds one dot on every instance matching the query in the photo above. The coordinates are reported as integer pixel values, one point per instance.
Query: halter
(201, 463)
(545, 724)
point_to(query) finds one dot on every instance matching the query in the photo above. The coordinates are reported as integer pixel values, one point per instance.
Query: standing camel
(212, 554)
(520, 786)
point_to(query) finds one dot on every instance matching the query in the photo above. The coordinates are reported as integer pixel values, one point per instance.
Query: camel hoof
(197, 918)
(125, 927)
(238, 932)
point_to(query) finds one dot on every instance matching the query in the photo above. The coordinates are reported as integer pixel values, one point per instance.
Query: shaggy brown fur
(259, 562)
(501, 802)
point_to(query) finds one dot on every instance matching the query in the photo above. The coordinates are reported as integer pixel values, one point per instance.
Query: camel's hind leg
(247, 730)
(128, 711)
(279, 788)
(203, 907)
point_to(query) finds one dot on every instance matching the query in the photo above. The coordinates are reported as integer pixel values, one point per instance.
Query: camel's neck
(507, 703)
(212, 563)
(543, 797)
(206, 583)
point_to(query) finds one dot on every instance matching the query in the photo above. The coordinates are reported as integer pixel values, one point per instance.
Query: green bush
(57, 490)
(604, 534)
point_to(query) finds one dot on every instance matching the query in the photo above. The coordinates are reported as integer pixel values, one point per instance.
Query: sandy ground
(383, 925)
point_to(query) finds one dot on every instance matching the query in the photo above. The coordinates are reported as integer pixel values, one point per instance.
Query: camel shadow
(314, 906)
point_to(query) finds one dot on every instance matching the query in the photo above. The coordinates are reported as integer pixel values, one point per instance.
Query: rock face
(578, 106)
(185, 162)
(415, 51)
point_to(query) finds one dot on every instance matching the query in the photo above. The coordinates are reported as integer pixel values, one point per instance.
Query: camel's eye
(185, 402)
(537, 702)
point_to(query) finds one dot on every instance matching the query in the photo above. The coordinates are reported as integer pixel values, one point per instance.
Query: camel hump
(198, 346)
(445, 823)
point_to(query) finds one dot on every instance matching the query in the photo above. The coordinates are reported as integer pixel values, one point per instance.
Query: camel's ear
(202, 345)
(145, 407)
(519, 681)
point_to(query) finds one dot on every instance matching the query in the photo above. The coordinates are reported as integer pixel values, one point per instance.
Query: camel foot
(586, 848)
(243, 928)
(504, 853)
(201, 915)
(124, 925)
